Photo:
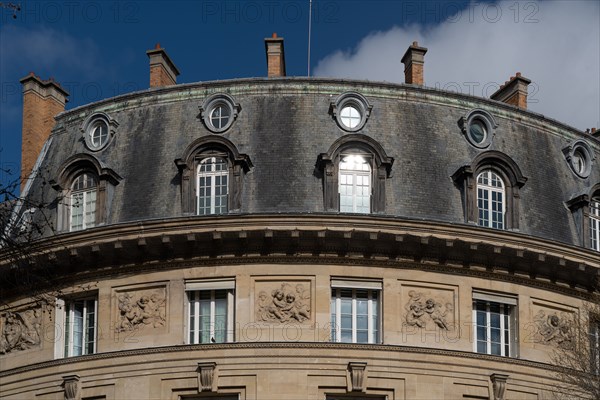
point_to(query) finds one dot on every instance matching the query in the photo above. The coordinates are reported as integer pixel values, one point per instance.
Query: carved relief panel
(283, 301)
(552, 325)
(20, 330)
(429, 307)
(428, 314)
(140, 308)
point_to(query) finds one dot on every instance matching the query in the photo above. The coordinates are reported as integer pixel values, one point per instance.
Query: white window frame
(489, 190)
(87, 210)
(508, 308)
(595, 223)
(223, 121)
(64, 338)
(374, 331)
(212, 174)
(99, 140)
(353, 175)
(350, 116)
(193, 289)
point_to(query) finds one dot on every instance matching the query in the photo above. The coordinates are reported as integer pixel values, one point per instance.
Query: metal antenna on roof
(309, 29)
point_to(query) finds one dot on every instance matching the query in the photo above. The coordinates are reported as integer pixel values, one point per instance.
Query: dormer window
(98, 129)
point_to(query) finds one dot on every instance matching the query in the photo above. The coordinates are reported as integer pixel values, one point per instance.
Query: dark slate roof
(284, 125)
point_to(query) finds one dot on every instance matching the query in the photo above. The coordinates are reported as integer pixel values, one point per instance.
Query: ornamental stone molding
(20, 330)
(498, 385)
(72, 386)
(358, 376)
(206, 377)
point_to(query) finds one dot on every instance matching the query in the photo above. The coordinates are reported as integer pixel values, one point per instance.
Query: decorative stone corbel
(357, 376)
(206, 377)
(498, 385)
(72, 387)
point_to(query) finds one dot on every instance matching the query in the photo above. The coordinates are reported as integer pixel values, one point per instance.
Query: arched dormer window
(490, 190)
(585, 208)
(83, 202)
(86, 188)
(354, 173)
(491, 203)
(211, 176)
(595, 223)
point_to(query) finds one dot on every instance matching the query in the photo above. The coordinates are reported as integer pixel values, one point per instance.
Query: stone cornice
(317, 239)
(369, 348)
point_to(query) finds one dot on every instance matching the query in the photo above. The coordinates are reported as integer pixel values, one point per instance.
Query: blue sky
(96, 49)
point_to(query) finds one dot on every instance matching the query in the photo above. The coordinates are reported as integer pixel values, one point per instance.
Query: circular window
(219, 116)
(97, 130)
(579, 161)
(99, 134)
(478, 127)
(350, 117)
(351, 111)
(219, 112)
(579, 156)
(477, 131)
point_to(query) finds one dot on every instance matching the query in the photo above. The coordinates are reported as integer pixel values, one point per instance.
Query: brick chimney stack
(162, 70)
(275, 56)
(42, 100)
(513, 92)
(413, 61)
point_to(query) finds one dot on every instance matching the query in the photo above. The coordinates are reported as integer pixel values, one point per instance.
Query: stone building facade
(300, 238)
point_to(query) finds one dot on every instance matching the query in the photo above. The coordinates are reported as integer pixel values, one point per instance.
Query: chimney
(275, 56)
(42, 100)
(413, 61)
(162, 70)
(513, 92)
(595, 133)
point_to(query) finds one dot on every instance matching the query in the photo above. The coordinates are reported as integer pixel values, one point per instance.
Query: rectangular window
(355, 184)
(494, 317)
(355, 312)
(595, 224)
(210, 311)
(212, 186)
(79, 324)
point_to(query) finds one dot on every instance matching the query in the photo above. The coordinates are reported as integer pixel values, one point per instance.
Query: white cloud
(556, 44)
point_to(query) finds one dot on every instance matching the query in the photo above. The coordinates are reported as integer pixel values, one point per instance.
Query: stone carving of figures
(157, 309)
(146, 310)
(554, 328)
(418, 311)
(415, 310)
(20, 331)
(129, 314)
(285, 303)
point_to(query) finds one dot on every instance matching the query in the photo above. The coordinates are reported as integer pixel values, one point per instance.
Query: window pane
(208, 308)
(354, 184)
(595, 224)
(359, 319)
(212, 186)
(490, 200)
(492, 327)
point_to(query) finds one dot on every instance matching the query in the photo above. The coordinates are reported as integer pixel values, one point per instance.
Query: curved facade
(303, 238)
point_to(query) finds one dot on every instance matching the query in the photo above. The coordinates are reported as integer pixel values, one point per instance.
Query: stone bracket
(498, 385)
(72, 386)
(358, 376)
(206, 377)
